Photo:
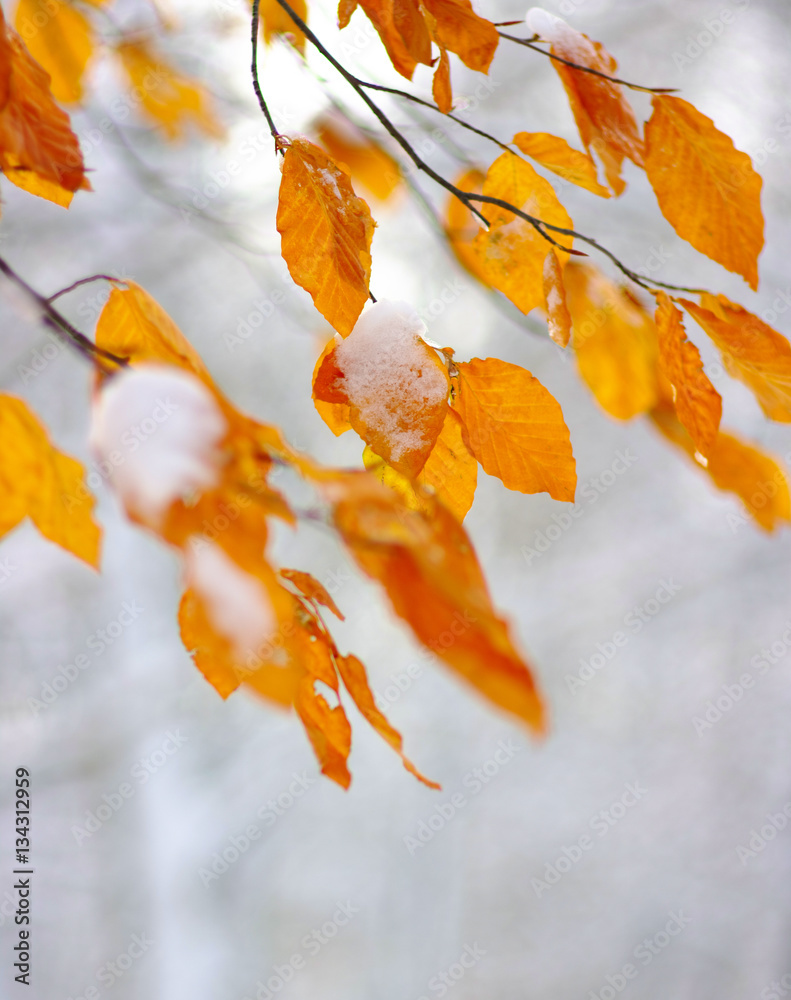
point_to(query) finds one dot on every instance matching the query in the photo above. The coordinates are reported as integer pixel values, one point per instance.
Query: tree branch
(254, 70)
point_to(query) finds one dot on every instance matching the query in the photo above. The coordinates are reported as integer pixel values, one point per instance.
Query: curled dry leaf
(615, 341)
(706, 188)
(511, 252)
(698, 404)
(603, 115)
(326, 233)
(515, 428)
(44, 484)
(751, 351)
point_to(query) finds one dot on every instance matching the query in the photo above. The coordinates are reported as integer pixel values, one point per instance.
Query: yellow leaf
(460, 30)
(441, 89)
(461, 226)
(355, 679)
(604, 117)
(556, 155)
(275, 21)
(558, 316)
(429, 570)
(751, 351)
(368, 162)
(451, 470)
(736, 467)
(326, 233)
(698, 404)
(38, 481)
(515, 428)
(511, 252)
(329, 732)
(707, 189)
(60, 40)
(172, 100)
(334, 415)
(614, 340)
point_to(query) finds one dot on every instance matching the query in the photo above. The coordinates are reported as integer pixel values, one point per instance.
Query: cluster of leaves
(427, 419)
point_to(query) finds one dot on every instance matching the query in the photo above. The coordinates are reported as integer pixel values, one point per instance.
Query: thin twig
(254, 70)
(530, 44)
(83, 281)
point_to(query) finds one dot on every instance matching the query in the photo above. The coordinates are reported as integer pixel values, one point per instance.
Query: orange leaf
(614, 340)
(604, 117)
(38, 150)
(40, 482)
(369, 163)
(355, 679)
(427, 565)
(515, 428)
(556, 155)
(558, 316)
(698, 404)
(461, 226)
(211, 653)
(334, 415)
(401, 27)
(451, 470)
(329, 732)
(310, 587)
(441, 89)
(736, 467)
(707, 189)
(172, 100)
(459, 29)
(61, 41)
(276, 22)
(751, 351)
(326, 233)
(511, 252)
(394, 383)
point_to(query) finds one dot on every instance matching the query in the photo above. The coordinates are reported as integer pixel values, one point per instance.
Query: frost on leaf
(393, 382)
(167, 428)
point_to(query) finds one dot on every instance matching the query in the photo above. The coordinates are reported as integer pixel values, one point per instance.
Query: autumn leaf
(355, 679)
(441, 88)
(511, 252)
(614, 340)
(461, 226)
(515, 428)
(604, 117)
(368, 162)
(38, 150)
(401, 27)
(461, 31)
(394, 384)
(734, 466)
(328, 730)
(697, 402)
(310, 587)
(751, 351)
(170, 99)
(706, 188)
(428, 568)
(326, 233)
(556, 155)
(61, 41)
(558, 316)
(334, 415)
(276, 22)
(44, 484)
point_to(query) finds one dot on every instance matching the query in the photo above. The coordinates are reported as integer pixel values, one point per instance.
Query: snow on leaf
(394, 383)
(698, 404)
(326, 233)
(706, 188)
(515, 428)
(604, 117)
(556, 155)
(40, 482)
(511, 252)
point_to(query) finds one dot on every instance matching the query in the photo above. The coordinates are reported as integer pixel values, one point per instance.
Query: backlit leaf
(310, 587)
(369, 163)
(329, 732)
(334, 415)
(515, 428)
(326, 233)
(276, 22)
(558, 316)
(451, 470)
(706, 188)
(461, 226)
(614, 339)
(440, 88)
(751, 351)
(460, 30)
(698, 404)
(40, 482)
(556, 155)
(511, 252)
(401, 27)
(60, 40)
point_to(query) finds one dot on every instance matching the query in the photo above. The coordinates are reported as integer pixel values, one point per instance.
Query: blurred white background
(669, 847)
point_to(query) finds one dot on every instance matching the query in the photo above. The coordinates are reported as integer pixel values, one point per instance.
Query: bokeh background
(661, 884)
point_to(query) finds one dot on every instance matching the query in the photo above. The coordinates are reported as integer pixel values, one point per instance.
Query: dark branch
(83, 281)
(254, 70)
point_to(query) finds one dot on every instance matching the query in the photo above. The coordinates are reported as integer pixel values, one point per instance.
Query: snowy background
(638, 812)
